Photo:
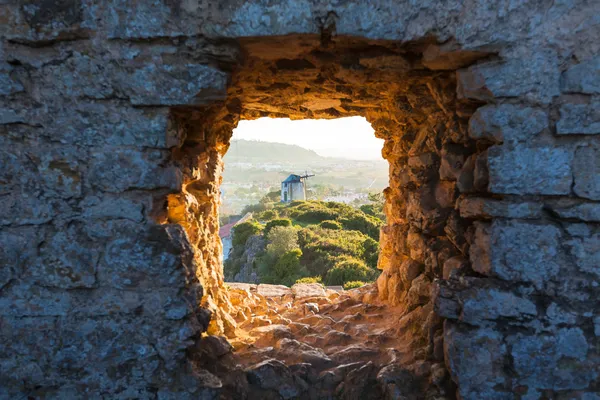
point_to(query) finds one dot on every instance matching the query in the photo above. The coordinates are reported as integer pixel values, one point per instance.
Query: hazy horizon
(350, 138)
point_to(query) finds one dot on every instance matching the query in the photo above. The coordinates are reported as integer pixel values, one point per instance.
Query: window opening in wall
(301, 201)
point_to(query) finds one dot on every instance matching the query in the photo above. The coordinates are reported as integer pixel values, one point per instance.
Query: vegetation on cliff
(311, 241)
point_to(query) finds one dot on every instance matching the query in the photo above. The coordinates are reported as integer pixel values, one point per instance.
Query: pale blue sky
(350, 137)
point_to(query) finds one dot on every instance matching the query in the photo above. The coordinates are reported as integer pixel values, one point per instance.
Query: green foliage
(339, 248)
(363, 223)
(314, 212)
(353, 285)
(266, 215)
(243, 231)
(375, 209)
(349, 269)
(282, 239)
(277, 222)
(322, 247)
(329, 224)
(370, 252)
(256, 208)
(286, 270)
(310, 279)
(231, 267)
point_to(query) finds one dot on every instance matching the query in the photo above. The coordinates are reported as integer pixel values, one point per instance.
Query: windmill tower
(294, 188)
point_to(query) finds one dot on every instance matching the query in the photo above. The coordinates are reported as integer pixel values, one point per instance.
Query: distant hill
(259, 152)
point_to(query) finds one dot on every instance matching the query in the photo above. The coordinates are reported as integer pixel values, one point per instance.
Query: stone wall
(114, 117)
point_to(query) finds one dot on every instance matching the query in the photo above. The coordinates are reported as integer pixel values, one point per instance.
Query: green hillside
(256, 151)
(310, 241)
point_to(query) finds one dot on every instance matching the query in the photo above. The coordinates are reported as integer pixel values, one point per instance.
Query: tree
(287, 268)
(281, 240)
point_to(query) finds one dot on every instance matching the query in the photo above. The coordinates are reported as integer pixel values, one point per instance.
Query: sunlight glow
(351, 138)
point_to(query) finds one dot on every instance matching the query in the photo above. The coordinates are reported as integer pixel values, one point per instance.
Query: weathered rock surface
(363, 359)
(114, 117)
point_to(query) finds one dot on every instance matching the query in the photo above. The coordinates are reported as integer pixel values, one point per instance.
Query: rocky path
(307, 342)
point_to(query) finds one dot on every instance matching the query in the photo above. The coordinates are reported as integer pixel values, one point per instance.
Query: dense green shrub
(329, 224)
(285, 271)
(231, 267)
(255, 208)
(243, 231)
(315, 216)
(267, 215)
(310, 279)
(277, 222)
(349, 269)
(353, 285)
(370, 252)
(363, 223)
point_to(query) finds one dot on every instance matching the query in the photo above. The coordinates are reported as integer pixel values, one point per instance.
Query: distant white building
(292, 188)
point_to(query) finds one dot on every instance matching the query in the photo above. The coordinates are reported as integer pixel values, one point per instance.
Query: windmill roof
(292, 178)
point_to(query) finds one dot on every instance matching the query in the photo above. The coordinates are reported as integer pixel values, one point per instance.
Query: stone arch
(409, 99)
(90, 90)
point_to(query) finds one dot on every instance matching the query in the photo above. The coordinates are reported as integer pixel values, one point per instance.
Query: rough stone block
(67, 260)
(96, 124)
(44, 350)
(465, 179)
(273, 290)
(452, 161)
(147, 257)
(10, 116)
(476, 359)
(518, 251)
(183, 82)
(583, 77)
(530, 170)
(480, 305)
(535, 77)
(41, 169)
(445, 194)
(448, 57)
(177, 84)
(111, 207)
(20, 208)
(507, 123)
(579, 119)
(155, 19)
(18, 249)
(556, 315)
(556, 362)
(8, 85)
(410, 270)
(589, 212)
(423, 212)
(23, 299)
(301, 290)
(584, 247)
(44, 22)
(117, 170)
(59, 170)
(158, 304)
(586, 170)
(454, 265)
(478, 207)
